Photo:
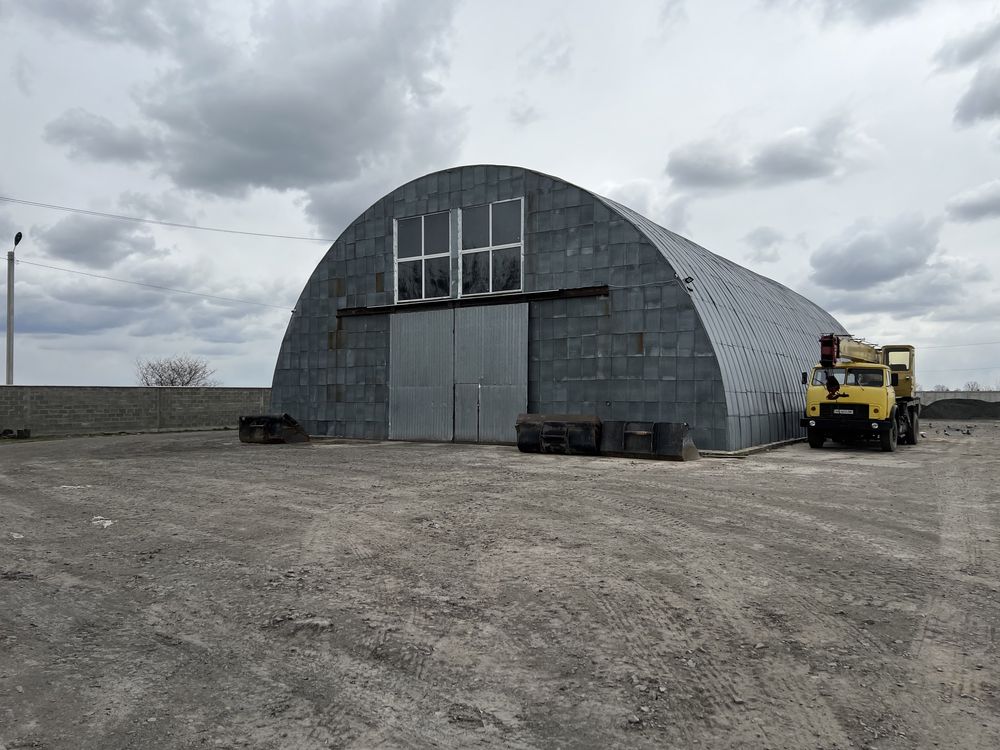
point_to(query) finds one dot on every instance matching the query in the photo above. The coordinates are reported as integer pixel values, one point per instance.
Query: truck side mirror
(805, 378)
(895, 379)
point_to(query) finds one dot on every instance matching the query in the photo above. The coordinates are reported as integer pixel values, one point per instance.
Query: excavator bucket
(271, 428)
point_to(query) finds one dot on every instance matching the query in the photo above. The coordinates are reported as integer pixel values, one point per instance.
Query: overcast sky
(849, 149)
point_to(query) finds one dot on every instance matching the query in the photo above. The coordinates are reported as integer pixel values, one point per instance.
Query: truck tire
(890, 437)
(914, 434)
(816, 438)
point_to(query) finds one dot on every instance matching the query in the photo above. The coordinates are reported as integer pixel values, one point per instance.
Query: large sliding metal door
(491, 372)
(458, 375)
(421, 375)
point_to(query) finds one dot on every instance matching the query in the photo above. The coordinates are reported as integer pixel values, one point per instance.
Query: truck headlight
(874, 425)
(812, 422)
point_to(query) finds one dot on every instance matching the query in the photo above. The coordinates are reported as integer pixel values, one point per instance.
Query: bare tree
(178, 370)
(972, 385)
(940, 388)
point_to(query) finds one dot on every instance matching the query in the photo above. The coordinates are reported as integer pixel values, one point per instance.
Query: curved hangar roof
(762, 331)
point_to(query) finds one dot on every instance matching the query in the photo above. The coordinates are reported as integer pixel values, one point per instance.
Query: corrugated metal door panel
(499, 406)
(491, 344)
(467, 412)
(421, 370)
(491, 351)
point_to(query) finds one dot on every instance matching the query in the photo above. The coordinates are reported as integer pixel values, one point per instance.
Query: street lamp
(10, 310)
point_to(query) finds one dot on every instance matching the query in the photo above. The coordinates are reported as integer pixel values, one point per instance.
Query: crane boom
(833, 347)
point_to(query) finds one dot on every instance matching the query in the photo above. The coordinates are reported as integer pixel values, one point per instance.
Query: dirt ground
(188, 591)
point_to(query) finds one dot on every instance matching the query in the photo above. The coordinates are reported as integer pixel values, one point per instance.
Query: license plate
(843, 411)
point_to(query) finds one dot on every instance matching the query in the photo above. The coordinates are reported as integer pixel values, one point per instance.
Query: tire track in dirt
(954, 644)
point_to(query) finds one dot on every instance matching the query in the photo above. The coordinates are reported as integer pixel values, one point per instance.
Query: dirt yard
(187, 591)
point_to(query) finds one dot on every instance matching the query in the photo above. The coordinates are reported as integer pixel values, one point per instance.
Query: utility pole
(10, 310)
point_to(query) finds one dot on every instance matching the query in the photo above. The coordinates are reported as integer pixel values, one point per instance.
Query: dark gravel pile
(961, 408)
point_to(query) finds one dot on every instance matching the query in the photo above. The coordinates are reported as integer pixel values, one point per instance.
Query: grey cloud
(970, 47)
(522, 114)
(974, 309)
(707, 164)
(24, 74)
(547, 53)
(982, 100)
(7, 231)
(801, 154)
(941, 290)
(90, 136)
(153, 24)
(827, 150)
(93, 242)
(322, 96)
(982, 202)
(56, 303)
(165, 207)
(864, 12)
(37, 314)
(672, 12)
(867, 254)
(332, 207)
(649, 199)
(764, 242)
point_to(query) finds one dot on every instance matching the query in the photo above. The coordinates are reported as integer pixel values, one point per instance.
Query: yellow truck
(860, 391)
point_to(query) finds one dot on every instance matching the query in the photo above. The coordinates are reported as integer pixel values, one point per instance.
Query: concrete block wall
(81, 410)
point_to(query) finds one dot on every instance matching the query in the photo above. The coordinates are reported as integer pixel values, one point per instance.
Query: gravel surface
(188, 591)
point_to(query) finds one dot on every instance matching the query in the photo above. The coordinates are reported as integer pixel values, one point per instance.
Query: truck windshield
(866, 377)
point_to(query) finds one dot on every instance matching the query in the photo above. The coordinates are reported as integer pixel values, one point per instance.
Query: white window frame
(421, 259)
(489, 250)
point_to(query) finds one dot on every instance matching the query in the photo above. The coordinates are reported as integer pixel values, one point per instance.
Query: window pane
(408, 241)
(475, 227)
(507, 269)
(506, 222)
(820, 376)
(410, 286)
(438, 276)
(436, 233)
(475, 273)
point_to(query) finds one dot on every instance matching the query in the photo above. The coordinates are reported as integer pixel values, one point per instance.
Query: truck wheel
(890, 437)
(816, 438)
(914, 434)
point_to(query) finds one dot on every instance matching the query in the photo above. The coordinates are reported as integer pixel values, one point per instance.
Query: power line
(956, 346)
(176, 225)
(966, 369)
(153, 286)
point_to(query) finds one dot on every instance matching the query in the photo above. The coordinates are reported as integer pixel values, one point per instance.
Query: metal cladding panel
(764, 334)
(421, 369)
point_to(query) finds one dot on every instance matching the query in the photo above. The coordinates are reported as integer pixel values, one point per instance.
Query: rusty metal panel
(421, 375)
(491, 353)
